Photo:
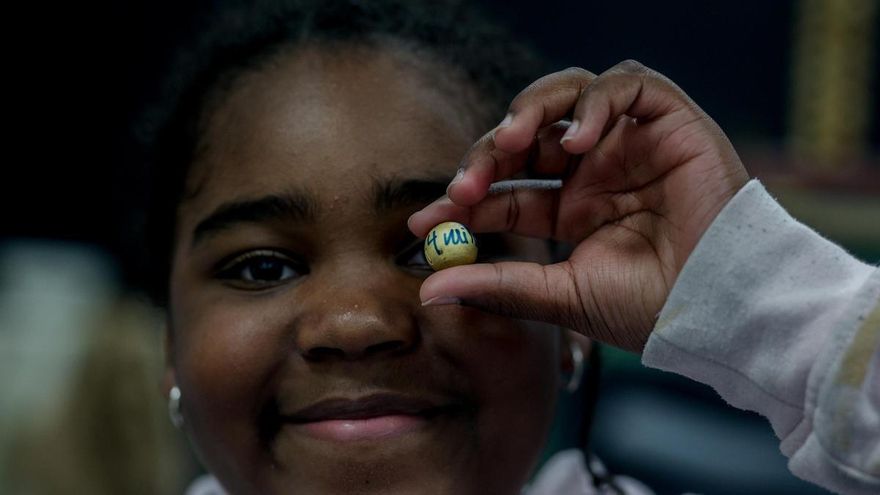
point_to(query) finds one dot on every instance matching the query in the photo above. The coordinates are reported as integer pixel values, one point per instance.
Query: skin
(348, 322)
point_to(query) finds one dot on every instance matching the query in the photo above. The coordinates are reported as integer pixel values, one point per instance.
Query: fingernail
(410, 219)
(441, 300)
(455, 180)
(506, 122)
(458, 176)
(572, 130)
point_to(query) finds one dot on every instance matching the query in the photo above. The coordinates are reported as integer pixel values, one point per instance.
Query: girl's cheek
(496, 353)
(512, 369)
(223, 355)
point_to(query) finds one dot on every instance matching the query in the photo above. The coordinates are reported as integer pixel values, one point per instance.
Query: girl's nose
(356, 323)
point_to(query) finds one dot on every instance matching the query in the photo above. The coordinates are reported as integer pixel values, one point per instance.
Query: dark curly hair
(238, 37)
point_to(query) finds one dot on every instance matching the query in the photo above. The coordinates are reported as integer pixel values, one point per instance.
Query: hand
(645, 171)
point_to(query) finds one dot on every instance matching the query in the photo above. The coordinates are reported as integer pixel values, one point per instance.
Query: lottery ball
(450, 244)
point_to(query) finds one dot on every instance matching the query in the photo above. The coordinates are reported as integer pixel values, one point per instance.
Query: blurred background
(793, 83)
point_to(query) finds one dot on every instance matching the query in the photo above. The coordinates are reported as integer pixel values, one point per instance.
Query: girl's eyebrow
(395, 193)
(296, 206)
(302, 206)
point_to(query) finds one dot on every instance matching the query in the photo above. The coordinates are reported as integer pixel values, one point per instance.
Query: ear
(168, 375)
(567, 338)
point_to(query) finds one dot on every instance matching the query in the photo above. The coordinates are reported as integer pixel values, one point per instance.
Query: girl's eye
(413, 257)
(258, 269)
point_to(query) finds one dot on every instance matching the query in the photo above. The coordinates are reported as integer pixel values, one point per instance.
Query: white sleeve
(780, 321)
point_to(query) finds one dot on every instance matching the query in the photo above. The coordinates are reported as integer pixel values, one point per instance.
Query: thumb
(522, 290)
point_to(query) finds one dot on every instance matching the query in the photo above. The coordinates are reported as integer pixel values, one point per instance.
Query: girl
(304, 137)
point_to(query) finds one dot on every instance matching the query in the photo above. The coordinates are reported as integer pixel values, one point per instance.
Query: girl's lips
(372, 417)
(346, 430)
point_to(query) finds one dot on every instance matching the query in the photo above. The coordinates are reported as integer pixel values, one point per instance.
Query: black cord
(590, 397)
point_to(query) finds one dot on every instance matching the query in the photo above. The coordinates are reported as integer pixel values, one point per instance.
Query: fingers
(547, 100)
(485, 163)
(624, 100)
(526, 208)
(515, 289)
(504, 151)
(594, 105)
(530, 291)
(539, 208)
(547, 158)
(629, 88)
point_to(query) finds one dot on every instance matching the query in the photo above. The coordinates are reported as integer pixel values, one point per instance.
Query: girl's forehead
(332, 126)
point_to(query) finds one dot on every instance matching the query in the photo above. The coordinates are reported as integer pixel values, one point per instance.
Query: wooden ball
(450, 244)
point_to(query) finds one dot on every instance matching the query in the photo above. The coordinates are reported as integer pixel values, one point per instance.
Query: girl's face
(297, 338)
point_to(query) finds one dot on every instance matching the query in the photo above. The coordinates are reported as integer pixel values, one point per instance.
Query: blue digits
(455, 237)
(432, 240)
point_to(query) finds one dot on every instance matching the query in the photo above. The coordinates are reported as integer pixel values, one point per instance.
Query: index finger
(543, 103)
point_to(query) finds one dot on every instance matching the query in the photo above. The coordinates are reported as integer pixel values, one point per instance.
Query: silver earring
(577, 357)
(174, 407)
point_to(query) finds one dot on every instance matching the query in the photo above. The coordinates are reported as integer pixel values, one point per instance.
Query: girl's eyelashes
(259, 269)
(266, 268)
(413, 256)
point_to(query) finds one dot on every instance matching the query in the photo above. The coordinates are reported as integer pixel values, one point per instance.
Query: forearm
(782, 322)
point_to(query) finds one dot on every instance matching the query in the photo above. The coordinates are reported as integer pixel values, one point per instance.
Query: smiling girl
(296, 338)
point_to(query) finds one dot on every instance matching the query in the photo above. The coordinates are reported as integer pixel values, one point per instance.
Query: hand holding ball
(450, 244)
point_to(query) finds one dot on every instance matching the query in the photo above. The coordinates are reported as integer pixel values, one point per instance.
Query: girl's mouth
(366, 418)
(346, 430)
